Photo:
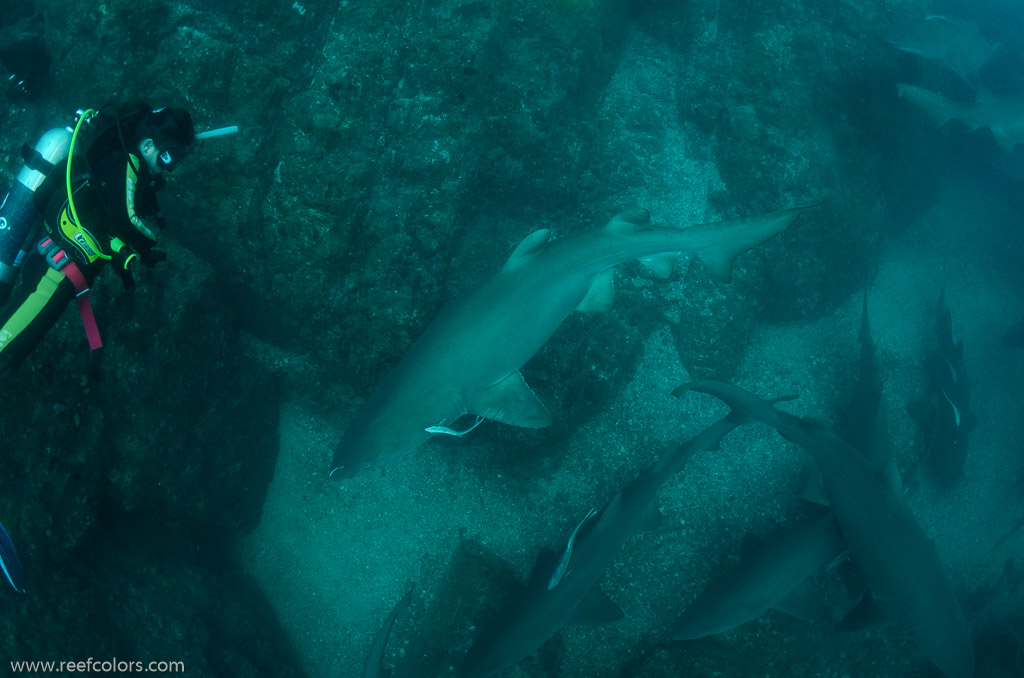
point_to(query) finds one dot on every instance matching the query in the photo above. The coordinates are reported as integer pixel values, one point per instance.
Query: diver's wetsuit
(110, 201)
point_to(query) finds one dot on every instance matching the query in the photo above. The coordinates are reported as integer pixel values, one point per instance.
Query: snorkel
(170, 155)
(220, 132)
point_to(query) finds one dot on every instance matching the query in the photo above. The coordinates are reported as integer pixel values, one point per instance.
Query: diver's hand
(127, 281)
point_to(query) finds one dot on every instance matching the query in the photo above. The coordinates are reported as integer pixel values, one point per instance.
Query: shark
(1004, 118)
(858, 422)
(467, 360)
(771, 576)
(953, 44)
(899, 561)
(541, 609)
(953, 418)
(374, 667)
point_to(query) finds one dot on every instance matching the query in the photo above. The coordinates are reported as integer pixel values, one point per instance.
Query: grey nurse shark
(953, 44)
(897, 558)
(562, 591)
(467, 360)
(772, 576)
(1005, 118)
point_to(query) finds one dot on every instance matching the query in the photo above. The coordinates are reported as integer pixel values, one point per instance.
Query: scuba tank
(19, 217)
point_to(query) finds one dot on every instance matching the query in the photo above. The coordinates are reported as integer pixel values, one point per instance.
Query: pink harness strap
(70, 269)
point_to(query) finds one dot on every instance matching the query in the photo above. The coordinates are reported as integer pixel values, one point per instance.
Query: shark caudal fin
(729, 239)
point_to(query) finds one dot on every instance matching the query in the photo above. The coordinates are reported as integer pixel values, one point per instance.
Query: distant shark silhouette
(954, 419)
(955, 45)
(897, 558)
(945, 413)
(1005, 119)
(858, 418)
(467, 360)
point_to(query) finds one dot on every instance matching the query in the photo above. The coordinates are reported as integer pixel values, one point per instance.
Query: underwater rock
(201, 447)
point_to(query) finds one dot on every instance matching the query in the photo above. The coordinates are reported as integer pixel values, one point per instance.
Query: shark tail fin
(729, 239)
(744, 405)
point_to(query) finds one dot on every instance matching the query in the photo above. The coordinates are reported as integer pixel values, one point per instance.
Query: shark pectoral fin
(629, 221)
(595, 609)
(527, 249)
(601, 295)
(865, 614)
(803, 603)
(661, 265)
(812, 486)
(511, 401)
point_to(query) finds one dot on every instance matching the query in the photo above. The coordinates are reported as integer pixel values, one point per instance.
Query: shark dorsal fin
(629, 221)
(512, 401)
(595, 609)
(527, 249)
(601, 295)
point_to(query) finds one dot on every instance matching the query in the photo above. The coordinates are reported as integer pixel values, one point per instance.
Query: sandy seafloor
(333, 558)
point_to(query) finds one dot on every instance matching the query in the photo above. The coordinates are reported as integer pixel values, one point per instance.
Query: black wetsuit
(112, 193)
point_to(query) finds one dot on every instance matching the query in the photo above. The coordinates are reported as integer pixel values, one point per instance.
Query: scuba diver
(91, 188)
